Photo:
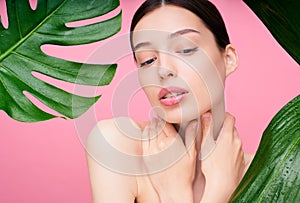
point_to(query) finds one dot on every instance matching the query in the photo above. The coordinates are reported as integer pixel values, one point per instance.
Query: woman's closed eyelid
(187, 51)
(148, 62)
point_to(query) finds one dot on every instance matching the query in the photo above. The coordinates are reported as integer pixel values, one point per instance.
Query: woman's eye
(187, 51)
(148, 62)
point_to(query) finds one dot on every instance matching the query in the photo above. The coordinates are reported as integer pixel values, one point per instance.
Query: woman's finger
(162, 137)
(228, 125)
(237, 140)
(207, 135)
(191, 133)
(153, 134)
(172, 138)
(170, 130)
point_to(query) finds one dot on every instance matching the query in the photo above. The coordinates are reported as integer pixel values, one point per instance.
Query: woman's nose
(167, 66)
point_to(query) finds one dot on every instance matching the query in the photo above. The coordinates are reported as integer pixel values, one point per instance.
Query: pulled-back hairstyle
(204, 9)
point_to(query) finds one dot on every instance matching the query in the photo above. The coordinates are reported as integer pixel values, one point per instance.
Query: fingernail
(194, 125)
(206, 116)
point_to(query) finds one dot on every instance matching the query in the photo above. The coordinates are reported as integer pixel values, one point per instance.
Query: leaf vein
(15, 101)
(30, 33)
(41, 63)
(35, 90)
(277, 171)
(18, 21)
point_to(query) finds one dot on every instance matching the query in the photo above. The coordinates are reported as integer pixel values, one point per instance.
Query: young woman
(183, 54)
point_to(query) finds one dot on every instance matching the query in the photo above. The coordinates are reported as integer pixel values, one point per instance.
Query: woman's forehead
(165, 23)
(148, 38)
(169, 18)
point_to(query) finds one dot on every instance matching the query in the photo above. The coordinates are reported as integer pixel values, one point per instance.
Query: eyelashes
(148, 62)
(183, 52)
(187, 51)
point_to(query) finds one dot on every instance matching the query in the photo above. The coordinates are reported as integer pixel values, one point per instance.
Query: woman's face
(181, 68)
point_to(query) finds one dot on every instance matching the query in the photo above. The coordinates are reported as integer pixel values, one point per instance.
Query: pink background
(45, 161)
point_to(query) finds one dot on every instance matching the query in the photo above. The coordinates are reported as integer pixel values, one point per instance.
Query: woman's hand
(224, 167)
(170, 163)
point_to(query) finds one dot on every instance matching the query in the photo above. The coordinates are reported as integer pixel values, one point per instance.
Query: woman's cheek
(211, 79)
(151, 95)
(148, 76)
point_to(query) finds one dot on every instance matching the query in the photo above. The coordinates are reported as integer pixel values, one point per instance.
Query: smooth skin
(188, 179)
(222, 173)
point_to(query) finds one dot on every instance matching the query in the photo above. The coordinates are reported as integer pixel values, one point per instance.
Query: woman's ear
(231, 59)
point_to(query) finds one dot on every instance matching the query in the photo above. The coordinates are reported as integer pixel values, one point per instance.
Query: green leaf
(281, 17)
(274, 174)
(21, 55)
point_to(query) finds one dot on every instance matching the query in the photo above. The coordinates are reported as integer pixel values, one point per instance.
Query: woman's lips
(171, 95)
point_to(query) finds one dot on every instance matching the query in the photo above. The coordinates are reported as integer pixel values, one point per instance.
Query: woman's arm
(107, 185)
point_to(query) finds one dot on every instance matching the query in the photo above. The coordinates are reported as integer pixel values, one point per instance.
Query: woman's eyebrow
(183, 31)
(142, 44)
(172, 35)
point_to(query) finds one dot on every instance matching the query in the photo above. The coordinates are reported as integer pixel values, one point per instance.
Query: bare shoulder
(122, 133)
(110, 168)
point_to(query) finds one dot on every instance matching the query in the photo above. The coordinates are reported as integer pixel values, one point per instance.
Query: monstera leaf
(21, 55)
(274, 174)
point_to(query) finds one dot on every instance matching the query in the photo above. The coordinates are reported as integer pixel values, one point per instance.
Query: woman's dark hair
(204, 9)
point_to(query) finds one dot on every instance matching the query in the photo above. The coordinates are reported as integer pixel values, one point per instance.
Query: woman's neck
(180, 128)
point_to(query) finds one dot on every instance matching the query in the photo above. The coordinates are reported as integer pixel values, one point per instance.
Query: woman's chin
(182, 116)
(180, 119)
